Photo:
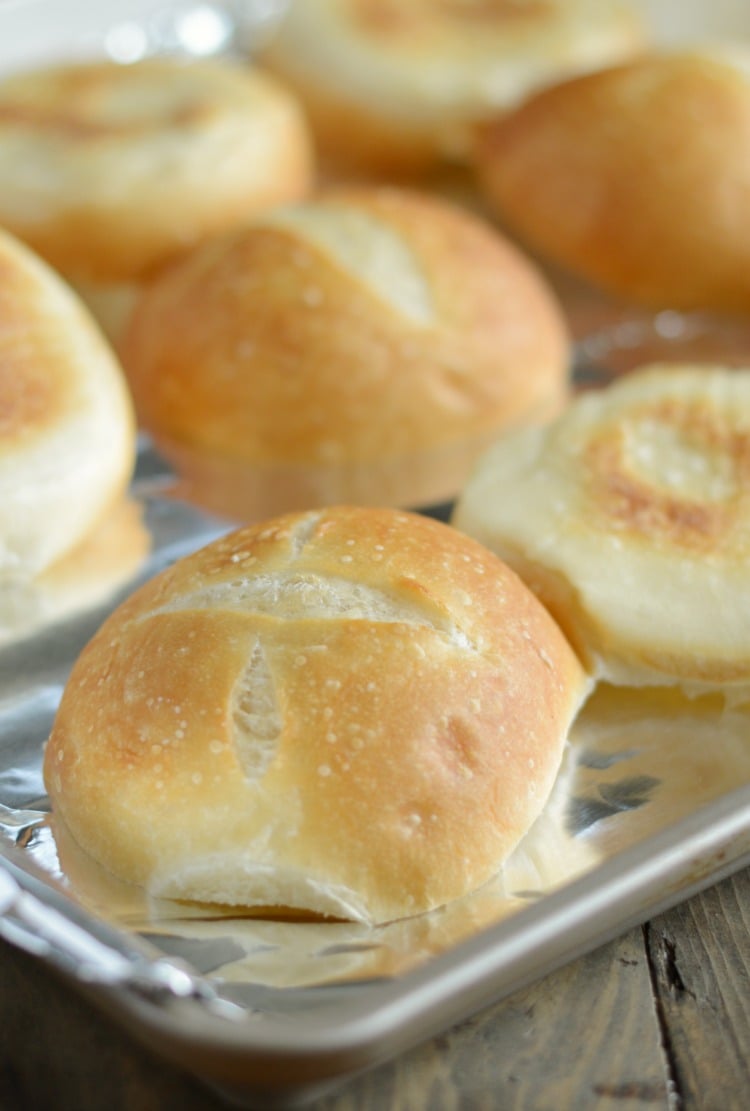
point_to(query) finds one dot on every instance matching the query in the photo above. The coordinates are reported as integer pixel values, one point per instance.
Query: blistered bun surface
(353, 712)
(630, 518)
(391, 85)
(107, 170)
(636, 177)
(358, 347)
(67, 430)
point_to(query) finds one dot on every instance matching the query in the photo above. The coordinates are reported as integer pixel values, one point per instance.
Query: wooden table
(659, 1018)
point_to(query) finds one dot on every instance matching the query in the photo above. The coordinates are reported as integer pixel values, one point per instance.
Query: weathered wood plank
(700, 956)
(584, 1037)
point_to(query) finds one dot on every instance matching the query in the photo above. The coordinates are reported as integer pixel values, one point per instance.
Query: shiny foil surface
(638, 761)
(651, 804)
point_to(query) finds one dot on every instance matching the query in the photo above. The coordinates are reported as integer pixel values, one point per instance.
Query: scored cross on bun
(362, 346)
(350, 712)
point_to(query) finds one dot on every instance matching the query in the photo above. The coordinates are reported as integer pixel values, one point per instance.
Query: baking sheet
(652, 803)
(643, 769)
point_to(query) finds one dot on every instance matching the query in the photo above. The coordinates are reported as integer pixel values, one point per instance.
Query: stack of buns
(399, 85)
(353, 713)
(108, 170)
(67, 429)
(363, 346)
(630, 519)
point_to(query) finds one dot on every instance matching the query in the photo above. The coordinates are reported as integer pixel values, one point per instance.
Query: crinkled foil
(637, 761)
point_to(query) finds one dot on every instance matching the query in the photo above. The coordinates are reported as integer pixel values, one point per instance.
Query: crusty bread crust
(360, 347)
(636, 178)
(352, 712)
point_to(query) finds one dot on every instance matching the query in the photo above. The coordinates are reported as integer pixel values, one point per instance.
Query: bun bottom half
(629, 518)
(353, 713)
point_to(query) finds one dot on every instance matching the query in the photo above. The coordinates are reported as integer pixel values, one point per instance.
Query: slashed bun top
(348, 337)
(630, 517)
(67, 431)
(107, 169)
(352, 712)
(636, 177)
(393, 83)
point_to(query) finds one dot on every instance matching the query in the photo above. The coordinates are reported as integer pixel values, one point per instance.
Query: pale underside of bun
(360, 347)
(394, 86)
(67, 431)
(635, 178)
(352, 713)
(109, 170)
(103, 562)
(630, 518)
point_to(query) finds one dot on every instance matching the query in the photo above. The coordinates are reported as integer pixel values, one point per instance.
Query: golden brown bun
(361, 347)
(391, 85)
(636, 178)
(630, 518)
(67, 431)
(352, 712)
(107, 170)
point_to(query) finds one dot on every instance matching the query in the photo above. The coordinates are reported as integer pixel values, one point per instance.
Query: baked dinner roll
(107, 170)
(636, 178)
(352, 712)
(630, 518)
(104, 562)
(398, 84)
(67, 432)
(360, 347)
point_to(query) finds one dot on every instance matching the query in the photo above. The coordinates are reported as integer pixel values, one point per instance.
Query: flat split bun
(353, 712)
(67, 428)
(108, 170)
(393, 86)
(636, 178)
(630, 519)
(360, 347)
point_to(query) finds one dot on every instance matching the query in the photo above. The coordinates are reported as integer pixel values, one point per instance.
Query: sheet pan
(652, 803)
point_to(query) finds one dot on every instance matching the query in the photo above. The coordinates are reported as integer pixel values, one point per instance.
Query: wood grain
(659, 1019)
(585, 1037)
(700, 957)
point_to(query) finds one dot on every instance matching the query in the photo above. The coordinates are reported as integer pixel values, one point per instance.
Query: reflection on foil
(623, 339)
(638, 761)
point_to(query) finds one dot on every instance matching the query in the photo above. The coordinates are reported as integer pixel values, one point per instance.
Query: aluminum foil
(652, 801)
(637, 762)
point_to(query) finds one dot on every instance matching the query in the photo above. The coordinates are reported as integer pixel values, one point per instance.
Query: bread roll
(104, 562)
(630, 518)
(361, 347)
(67, 430)
(107, 170)
(393, 85)
(636, 178)
(353, 712)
